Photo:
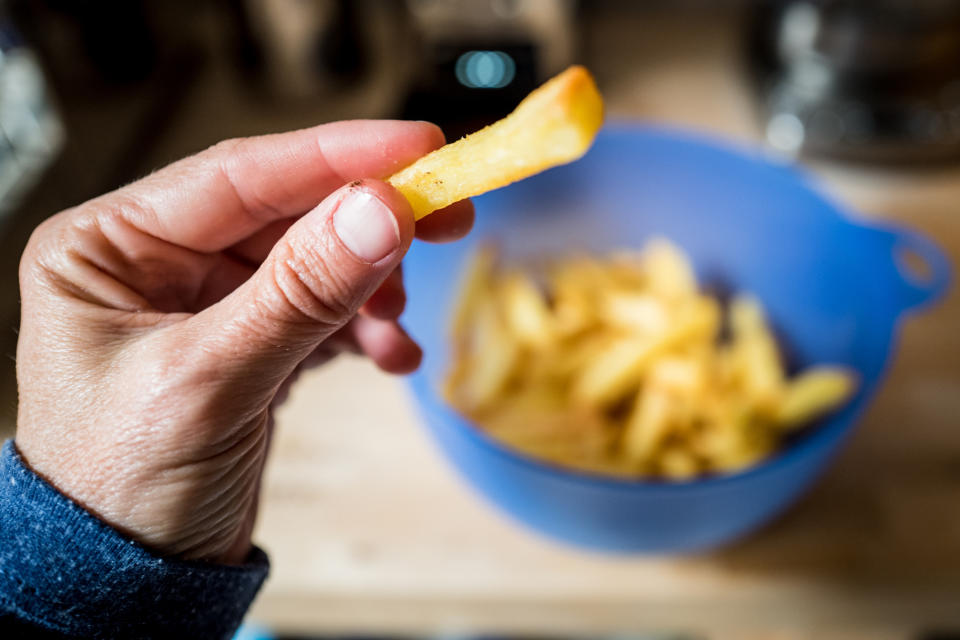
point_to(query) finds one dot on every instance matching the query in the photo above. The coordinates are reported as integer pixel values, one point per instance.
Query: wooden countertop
(369, 529)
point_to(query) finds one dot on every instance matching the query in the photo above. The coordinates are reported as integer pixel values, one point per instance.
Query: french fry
(679, 375)
(575, 284)
(697, 319)
(721, 433)
(551, 433)
(668, 271)
(740, 458)
(813, 393)
(565, 359)
(491, 360)
(615, 371)
(677, 463)
(745, 446)
(474, 288)
(642, 312)
(618, 370)
(553, 125)
(526, 311)
(746, 317)
(757, 358)
(647, 426)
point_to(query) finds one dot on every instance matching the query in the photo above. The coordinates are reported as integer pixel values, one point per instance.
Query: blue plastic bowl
(834, 289)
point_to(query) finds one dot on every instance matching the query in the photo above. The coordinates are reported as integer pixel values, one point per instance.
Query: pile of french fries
(622, 365)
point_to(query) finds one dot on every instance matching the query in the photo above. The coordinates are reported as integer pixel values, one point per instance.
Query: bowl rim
(834, 426)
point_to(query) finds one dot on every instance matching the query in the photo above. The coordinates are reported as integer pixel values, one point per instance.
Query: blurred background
(866, 95)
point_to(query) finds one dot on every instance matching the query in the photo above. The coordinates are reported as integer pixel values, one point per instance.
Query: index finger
(218, 197)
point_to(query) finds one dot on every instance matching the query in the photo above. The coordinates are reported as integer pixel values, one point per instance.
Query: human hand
(160, 321)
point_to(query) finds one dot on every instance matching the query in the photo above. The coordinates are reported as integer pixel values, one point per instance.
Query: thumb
(313, 282)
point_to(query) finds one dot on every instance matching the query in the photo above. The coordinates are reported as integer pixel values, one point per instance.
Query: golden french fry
(564, 359)
(491, 360)
(697, 319)
(526, 311)
(559, 435)
(575, 284)
(724, 438)
(746, 316)
(626, 270)
(677, 463)
(668, 271)
(747, 452)
(740, 459)
(679, 375)
(813, 393)
(475, 285)
(733, 440)
(573, 314)
(761, 373)
(756, 355)
(647, 426)
(618, 370)
(640, 312)
(553, 125)
(615, 371)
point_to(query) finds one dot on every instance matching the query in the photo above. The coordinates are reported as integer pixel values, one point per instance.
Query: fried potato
(490, 359)
(641, 312)
(756, 357)
(561, 436)
(667, 270)
(553, 125)
(619, 369)
(813, 393)
(618, 365)
(677, 463)
(575, 284)
(475, 286)
(616, 371)
(679, 375)
(742, 445)
(526, 310)
(647, 426)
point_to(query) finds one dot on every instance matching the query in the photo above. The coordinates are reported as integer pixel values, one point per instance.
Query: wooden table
(370, 530)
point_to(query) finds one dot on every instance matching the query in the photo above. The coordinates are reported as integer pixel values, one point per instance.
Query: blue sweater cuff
(64, 570)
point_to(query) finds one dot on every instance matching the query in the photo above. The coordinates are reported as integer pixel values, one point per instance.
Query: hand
(160, 321)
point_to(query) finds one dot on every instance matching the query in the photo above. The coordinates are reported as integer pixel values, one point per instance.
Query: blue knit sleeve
(65, 572)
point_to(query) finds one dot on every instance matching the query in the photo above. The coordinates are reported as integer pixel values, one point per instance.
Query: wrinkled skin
(161, 322)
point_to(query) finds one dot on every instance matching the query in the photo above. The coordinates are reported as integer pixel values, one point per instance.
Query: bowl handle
(920, 267)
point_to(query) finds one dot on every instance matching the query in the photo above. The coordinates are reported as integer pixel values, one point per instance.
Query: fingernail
(366, 226)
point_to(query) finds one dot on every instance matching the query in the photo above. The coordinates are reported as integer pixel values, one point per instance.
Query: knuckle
(235, 157)
(225, 154)
(227, 147)
(48, 245)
